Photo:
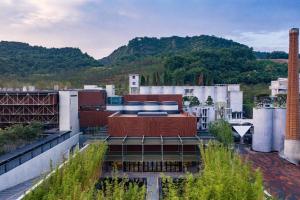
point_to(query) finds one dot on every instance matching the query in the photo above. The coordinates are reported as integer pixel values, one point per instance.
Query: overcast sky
(100, 26)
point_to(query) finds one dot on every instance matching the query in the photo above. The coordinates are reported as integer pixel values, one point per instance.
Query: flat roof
(146, 140)
(136, 115)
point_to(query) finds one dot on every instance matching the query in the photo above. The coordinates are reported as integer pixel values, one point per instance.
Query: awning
(241, 129)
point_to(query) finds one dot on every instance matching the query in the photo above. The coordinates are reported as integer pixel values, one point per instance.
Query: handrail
(17, 155)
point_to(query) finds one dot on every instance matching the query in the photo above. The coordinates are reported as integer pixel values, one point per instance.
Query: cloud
(128, 14)
(40, 13)
(263, 40)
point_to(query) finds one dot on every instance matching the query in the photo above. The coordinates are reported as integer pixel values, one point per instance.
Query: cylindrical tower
(263, 123)
(279, 120)
(292, 137)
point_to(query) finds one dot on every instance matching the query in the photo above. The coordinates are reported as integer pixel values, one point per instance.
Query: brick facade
(292, 118)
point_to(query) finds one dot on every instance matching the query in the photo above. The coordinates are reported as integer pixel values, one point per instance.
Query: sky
(100, 26)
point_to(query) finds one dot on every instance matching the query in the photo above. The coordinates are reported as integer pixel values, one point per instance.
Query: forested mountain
(175, 60)
(22, 59)
(142, 47)
(201, 60)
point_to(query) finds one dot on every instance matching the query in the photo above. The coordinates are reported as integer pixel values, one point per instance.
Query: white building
(134, 83)
(228, 95)
(280, 86)
(68, 111)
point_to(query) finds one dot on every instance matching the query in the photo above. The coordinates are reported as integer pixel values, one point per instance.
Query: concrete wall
(38, 165)
(68, 111)
(236, 101)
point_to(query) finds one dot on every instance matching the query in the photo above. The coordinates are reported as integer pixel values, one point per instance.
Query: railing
(18, 157)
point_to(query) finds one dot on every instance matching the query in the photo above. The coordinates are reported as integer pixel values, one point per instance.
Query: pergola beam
(162, 148)
(181, 151)
(143, 151)
(123, 151)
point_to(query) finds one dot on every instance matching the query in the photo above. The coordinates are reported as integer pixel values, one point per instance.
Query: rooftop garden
(224, 176)
(19, 135)
(79, 179)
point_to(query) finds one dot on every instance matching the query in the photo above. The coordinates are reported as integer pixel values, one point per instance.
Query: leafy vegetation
(224, 176)
(249, 92)
(22, 59)
(18, 135)
(200, 60)
(272, 55)
(78, 177)
(221, 129)
(122, 189)
(75, 179)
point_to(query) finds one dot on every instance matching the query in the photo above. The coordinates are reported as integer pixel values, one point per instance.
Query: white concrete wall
(236, 101)
(38, 165)
(110, 90)
(218, 93)
(233, 87)
(92, 87)
(68, 111)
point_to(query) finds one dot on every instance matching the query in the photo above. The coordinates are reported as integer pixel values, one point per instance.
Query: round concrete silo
(263, 125)
(279, 122)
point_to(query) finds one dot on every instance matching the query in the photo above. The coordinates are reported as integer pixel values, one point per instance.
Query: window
(133, 77)
(188, 91)
(133, 83)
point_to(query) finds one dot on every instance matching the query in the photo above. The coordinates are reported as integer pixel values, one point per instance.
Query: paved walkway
(16, 191)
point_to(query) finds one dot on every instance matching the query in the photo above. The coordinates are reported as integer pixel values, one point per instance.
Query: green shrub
(224, 176)
(222, 131)
(18, 134)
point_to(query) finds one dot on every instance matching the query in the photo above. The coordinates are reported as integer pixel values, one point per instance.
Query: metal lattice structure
(25, 107)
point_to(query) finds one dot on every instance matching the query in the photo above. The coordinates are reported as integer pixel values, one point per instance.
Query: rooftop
(136, 115)
(281, 178)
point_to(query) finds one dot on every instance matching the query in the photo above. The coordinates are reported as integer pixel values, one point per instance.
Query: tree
(158, 78)
(280, 100)
(154, 79)
(221, 129)
(143, 80)
(194, 101)
(148, 79)
(209, 101)
(178, 76)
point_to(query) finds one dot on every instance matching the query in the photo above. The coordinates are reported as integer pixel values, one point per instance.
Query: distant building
(228, 96)
(280, 86)
(134, 83)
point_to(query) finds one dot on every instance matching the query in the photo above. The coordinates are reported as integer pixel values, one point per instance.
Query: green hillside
(142, 47)
(200, 60)
(193, 60)
(21, 59)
